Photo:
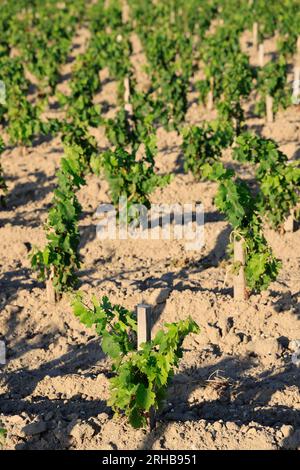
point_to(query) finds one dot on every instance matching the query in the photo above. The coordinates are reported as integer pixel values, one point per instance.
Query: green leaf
(111, 346)
(145, 397)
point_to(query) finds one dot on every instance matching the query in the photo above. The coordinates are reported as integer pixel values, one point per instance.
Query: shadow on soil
(22, 383)
(286, 301)
(238, 398)
(242, 399)
(28, 193)
(12, 281)
(174, 279)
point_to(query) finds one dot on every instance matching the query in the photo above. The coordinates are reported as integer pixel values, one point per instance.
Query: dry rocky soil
(237, 386)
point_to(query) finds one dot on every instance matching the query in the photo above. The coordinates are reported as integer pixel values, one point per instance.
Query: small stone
(217, 426)
(34, 428)
(265, 347)
(202, 423)
(12, 309)
(82, 431)
(214, 335)
(286, 430)
(102, 417)
(294, 345)
(252, 431)
(231, 426)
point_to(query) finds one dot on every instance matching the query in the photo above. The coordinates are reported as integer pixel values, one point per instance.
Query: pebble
(81, 431)
(103, 416)
(231, 426)
(294, 345)
(34, 428)
(12, 309)
(16, 420)
(286, 430)
(265, 347)
(218, 426)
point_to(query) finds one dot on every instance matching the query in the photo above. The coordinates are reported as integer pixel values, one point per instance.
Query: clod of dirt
(34, 428)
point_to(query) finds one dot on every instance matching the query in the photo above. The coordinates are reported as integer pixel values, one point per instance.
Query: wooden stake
(239, 283)
(128, 106)
(144, 323)
(298, 51)
(297, 74)
(51, 295)
(296, 86)
(269, 108)
(126, 90)
(22, 151)
(289, 223)
(2, 353)
(125, 13)
(261, 55)
(255, 35)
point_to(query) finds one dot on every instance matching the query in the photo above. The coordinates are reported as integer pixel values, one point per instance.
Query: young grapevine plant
(279, 190)
(130, 177)
(125, 130)
(272, 81)
(59, 260)
(84, 85)
(141, 378)
(237, 84)
(205, 144)
(241, 209)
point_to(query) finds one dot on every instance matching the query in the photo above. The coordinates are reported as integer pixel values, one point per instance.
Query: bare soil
(236, 387)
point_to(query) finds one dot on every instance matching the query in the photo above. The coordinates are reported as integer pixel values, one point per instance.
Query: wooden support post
(210, 96)
(144, 324)
(296, 85)
(126, 90)
(2, 353)
(239, 283)
(297, 74)
(144, 321)
(261, 55)
(289, 223)
(51, 295)
(269, 109)
(298, 51)
(125, 12)
(255, 35)
(128, 106)
(23, 151)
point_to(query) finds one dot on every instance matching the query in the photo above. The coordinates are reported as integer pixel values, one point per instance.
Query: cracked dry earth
(236, 388)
